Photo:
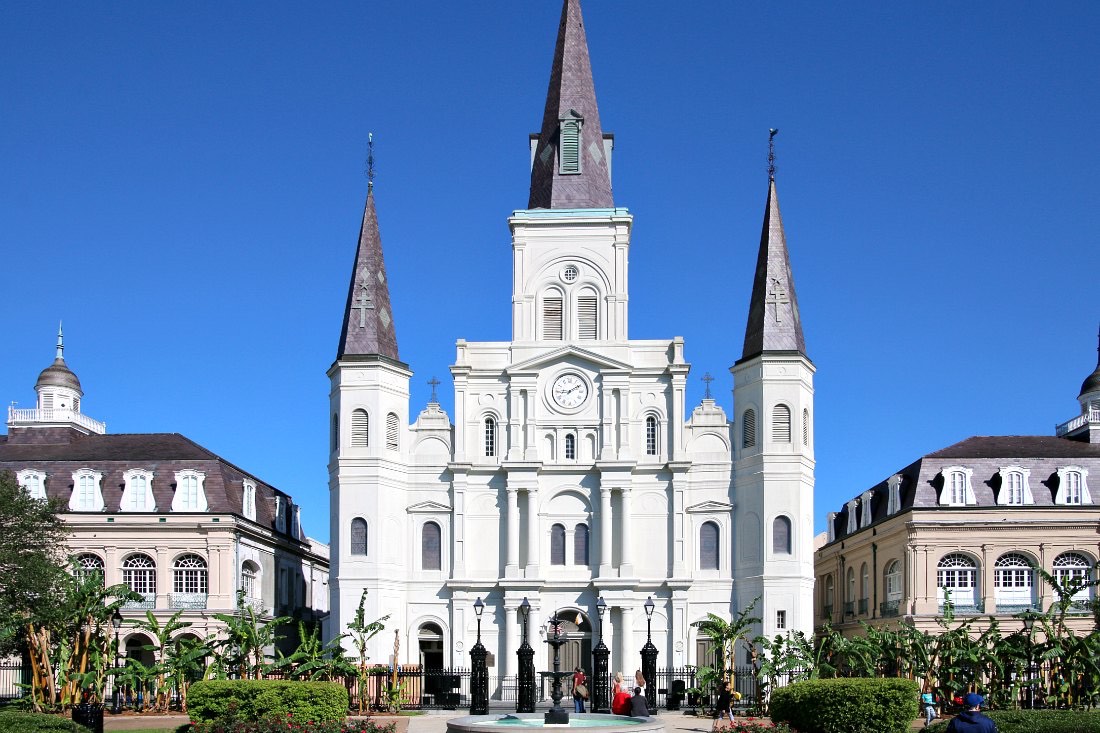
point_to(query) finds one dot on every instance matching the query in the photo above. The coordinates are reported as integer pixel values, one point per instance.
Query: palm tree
(725, 635)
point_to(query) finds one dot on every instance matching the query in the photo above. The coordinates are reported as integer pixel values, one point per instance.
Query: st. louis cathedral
(573, 469)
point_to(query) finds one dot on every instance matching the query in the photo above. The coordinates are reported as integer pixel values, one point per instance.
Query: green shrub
(287, 725)
(12, 722)
(847, 705)
(229, 700)
(1038, 721)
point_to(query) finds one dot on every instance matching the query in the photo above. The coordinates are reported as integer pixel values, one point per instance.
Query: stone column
(515, 426)
(605, 530)
(606, 424)
(626, 565)
(511, 569)
(508, 663)
(533, 531)
(623, 418)
(631, 659)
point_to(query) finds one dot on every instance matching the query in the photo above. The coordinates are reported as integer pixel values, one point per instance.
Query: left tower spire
(368, 327)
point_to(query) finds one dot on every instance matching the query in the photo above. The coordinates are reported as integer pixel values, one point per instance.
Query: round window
(570, 273)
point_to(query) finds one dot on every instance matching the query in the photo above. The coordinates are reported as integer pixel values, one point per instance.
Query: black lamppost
(1029, 625)
(479, 674)
(525, 698)
(649, 658)
(116, 622)
(600, 703)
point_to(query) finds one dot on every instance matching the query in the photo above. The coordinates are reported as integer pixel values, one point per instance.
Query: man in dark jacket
(638, 706)
(971, 720)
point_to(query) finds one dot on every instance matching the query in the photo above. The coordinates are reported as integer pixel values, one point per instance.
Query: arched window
(490, 437)
(830, 594)
(136, 496)
(708, 546)
(557, 545)
(431, 547)
(250, 573)
(190, 495)
(1071, 569)
(570, 447)
(748, 428)
(580, 544)
(651, 436)
(391, 432)
(334, 434)
(33, 482)
(958, 487)
(850, 598)
(86, 496)
(360, 428)
(1013, 579)
(1015, 488)
(892, 578)
(189, 575)
(87, 566)
(358, 536)
(805, 427)
(781, 424)
(1073, 487)
(139, 573)
(587, 316)
(957, 574)
(781, 536)
(864, 587)
(552, 316)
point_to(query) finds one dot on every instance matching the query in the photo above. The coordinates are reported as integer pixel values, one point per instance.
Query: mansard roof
(368, 327)
(571, 94)
(162, 453)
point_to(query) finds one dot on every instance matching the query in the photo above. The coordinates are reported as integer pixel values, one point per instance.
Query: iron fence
(12, 675)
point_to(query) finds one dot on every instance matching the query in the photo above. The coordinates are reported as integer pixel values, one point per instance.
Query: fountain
(556, 716)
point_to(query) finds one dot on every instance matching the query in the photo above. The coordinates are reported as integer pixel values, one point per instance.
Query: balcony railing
(886, 609)
(187, 601)
(1070, 425)
(34, 415)
(966, 609)
(849, 608)
(256, 604)
(148, 600)
(862, 606)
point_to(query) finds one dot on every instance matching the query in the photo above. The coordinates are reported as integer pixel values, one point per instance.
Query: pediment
(565, 352)
(709, 507)
(428, 507)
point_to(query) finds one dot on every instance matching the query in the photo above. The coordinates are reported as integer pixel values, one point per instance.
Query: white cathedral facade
(574, 469)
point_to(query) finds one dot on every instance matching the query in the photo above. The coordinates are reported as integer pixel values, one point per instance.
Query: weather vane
(771, 152)
(370, 162)
(707, 379)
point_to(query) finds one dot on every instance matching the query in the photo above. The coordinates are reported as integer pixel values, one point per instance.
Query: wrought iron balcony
(148, 600)
(849, 608)
(187, 601)
(966, 609)
(887, 609)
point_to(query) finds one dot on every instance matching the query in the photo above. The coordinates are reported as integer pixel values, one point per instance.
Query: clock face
(570, 390)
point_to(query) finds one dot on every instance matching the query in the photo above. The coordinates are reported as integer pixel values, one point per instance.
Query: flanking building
(968, 522)
(574, 468)
(178, 524)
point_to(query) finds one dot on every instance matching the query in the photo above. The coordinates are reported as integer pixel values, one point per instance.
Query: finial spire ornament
(771, 152)
(60, 342)
(370, 162)
(707, 379)
(434, 383)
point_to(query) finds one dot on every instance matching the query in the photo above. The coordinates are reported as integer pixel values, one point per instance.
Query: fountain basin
(502, 722)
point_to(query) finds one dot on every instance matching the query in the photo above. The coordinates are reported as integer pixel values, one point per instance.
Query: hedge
(13, 722)
(1038, 721)
(225, 700)
(847, 705)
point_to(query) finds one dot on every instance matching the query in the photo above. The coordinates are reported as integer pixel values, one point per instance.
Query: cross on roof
(777, 296)
(708, 379)
(434, 383)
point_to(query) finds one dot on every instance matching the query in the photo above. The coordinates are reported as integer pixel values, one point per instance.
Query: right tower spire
(774, 324)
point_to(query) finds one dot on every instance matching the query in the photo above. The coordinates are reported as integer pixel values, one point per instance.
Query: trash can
(90, 715)
(676, 693)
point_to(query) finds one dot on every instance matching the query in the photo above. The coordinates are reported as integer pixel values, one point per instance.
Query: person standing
(971, 720)
(722, 707)
(928, 702)
(580, 690)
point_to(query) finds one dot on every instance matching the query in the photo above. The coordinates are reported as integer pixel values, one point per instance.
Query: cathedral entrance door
(577, 651)
(430, 638)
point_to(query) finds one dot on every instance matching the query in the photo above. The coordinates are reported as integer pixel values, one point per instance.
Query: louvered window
(570, 447)
(334, 434)
(781, 424)
(490, 437)
(76, 404)
(805, 427)
(651, 436)
(569, 159)
(391, 432)
(781, 536)
(557, 545)
(431, 547)
(360, 427)
(748, 428)
(358, 536)
(708, 546)
(586, 318)
(551, 319)
(580, 545)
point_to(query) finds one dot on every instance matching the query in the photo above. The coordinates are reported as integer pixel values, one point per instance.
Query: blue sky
(182, 184)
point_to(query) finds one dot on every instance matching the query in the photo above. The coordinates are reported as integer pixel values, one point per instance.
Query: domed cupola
(59, 396)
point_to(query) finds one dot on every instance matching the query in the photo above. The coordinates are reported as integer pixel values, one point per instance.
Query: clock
(569, 391)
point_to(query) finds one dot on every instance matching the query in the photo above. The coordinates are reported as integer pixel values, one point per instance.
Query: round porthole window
(570, 273)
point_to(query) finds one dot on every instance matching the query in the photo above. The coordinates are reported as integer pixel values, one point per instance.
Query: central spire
(570, 169)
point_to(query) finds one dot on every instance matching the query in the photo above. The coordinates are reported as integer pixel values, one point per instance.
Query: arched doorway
(430, 639)
(136, 649)
(576, 629)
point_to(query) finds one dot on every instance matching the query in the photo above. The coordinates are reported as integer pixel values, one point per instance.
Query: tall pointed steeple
(774, 324)
(368, 318)
(570, 169)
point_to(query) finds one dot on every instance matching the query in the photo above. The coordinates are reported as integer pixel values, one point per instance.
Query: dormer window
(569, 143)
(830, 527)
(33, 482)
(893, 495)
(137, 496)
(957, 489)
(852, 517)
(1015, 489)
(87, 496)
(248, 501)
(190, 495)
(865, 505)
(1072, 486)
(280, 514)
